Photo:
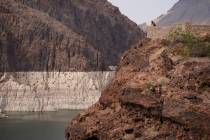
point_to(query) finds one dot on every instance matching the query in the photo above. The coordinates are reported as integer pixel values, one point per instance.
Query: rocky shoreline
(2, 115)
(155, 94)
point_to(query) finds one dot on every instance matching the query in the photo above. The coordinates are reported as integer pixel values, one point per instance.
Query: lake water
(35, 126)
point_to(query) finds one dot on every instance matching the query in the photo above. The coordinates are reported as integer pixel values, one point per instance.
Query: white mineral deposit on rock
(50, 91)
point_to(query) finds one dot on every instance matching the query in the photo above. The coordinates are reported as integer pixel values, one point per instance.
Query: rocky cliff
(97, 20)
(156, 94)
(43, 43)
(63, 35)
(193, 11)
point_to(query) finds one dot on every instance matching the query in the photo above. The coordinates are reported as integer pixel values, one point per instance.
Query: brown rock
(160, 99)
(134, 98)
(187, 115)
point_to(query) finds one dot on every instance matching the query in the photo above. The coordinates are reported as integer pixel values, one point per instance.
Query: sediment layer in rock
(51, 91)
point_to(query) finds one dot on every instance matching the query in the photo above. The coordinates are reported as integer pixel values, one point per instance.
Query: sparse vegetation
(165, 42)
(151, 87)
(193, 46)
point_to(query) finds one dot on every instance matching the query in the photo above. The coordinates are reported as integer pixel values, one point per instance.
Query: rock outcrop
(155, 94)
(44, 42)
(183, 11)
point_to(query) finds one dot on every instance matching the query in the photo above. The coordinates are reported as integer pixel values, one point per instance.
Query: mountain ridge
(190, 11)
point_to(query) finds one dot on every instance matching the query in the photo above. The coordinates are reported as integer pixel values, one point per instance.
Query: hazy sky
(143, 10)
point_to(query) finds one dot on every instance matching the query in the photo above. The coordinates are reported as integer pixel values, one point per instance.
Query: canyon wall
(50, 91)
(52, 52)
(101, 23)
(63, 35)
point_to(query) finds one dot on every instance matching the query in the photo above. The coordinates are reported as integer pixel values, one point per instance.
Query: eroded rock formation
(155, 94)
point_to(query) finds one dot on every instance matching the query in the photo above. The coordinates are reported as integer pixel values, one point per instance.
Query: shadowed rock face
(63, 35)
(33, 41)
(155, 95)
(187, 11)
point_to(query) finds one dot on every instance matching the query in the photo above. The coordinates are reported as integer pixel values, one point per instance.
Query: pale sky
(141, 11)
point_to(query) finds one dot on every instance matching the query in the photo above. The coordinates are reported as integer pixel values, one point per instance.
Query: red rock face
(63, 35)
(160, 96)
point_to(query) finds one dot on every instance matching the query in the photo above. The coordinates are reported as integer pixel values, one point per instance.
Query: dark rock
(129, 130)
(81, 35)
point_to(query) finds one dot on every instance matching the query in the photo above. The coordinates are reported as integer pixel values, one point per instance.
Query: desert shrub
(165, 42)
(194, 46)
(150, 87)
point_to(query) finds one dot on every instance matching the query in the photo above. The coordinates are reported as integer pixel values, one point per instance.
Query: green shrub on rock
(193, 45)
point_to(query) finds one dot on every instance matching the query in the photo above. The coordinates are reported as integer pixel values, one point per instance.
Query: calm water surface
(35, 126)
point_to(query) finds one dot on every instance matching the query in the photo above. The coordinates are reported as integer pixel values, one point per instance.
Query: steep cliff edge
(155, 94)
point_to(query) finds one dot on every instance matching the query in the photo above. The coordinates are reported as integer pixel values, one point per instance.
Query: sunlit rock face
(53, 52)
(192, 11)
(50, 91)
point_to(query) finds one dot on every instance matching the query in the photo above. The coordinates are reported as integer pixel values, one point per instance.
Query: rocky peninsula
(160, 91)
